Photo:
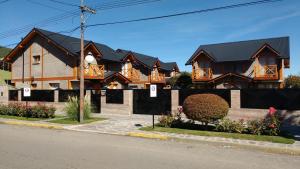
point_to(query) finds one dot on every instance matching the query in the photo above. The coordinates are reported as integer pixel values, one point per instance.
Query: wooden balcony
(267, 72)
(203, 74)
(157, 78)
(131, 74)
(94, 72)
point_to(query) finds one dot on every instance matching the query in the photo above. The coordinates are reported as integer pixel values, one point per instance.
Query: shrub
(255, 126)
(72, 108)
(205, 108)
(231, 126)
(19, 109)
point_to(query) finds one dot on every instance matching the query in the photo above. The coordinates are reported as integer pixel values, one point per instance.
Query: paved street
(35, 148)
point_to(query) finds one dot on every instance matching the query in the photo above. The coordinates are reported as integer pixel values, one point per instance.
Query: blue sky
(172, 39)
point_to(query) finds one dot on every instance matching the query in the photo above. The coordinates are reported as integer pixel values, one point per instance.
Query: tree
(292, 81)
(184, 80)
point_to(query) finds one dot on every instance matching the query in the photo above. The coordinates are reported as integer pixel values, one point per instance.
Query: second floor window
(36, 59)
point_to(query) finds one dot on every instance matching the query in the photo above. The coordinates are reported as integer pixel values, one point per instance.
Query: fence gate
(144, 104)
(96, 101)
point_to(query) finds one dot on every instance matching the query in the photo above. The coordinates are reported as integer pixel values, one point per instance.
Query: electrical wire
(69, 14)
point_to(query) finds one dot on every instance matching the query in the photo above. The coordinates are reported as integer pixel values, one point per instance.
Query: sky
(170, 39)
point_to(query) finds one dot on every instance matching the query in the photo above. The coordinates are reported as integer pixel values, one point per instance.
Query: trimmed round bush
(205, 108)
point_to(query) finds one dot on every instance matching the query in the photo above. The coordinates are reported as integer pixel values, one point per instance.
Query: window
(36, 59)
(54, 85)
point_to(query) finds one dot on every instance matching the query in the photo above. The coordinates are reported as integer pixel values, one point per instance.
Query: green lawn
(71, 121)
(274, 139)
(25, 118)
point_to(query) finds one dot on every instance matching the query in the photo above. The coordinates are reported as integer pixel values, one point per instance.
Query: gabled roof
(149, 61)
(169, 66)
(71, 45)
(243, 50)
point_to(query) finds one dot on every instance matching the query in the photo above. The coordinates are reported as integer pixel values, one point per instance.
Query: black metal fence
(284, 99)
(64, 95)
(144, 104)
(40, 96)
(96, 101)
(13, 95)
(114, 96)
(224, 93)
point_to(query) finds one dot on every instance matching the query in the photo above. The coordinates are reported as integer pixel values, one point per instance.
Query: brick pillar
(174, 101)
(235, 99)
(128, 100)
(3, 94)
(56, 96)
(103, 98)
(20, 95)
(88, 96)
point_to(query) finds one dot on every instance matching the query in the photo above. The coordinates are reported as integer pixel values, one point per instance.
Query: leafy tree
(292, 81)
(181, 81)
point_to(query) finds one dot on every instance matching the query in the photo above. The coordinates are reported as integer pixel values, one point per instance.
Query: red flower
(272, 126)
(272, 111)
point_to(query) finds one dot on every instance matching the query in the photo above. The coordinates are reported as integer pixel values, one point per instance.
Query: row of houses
(48, 60)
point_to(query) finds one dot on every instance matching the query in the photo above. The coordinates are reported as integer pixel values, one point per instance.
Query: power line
(69, 31)
(44, 5)
(57, 18)
(188, 13)
(64, 3)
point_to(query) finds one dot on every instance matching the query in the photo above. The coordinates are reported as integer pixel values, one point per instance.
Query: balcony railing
(94, 72)
(131, 74)
(266, 72)
(157, 78)
(202, 74)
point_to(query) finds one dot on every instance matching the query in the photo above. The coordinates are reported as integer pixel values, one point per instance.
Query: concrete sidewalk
(129, 125)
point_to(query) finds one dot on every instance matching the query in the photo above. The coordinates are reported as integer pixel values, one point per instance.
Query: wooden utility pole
(83, 9)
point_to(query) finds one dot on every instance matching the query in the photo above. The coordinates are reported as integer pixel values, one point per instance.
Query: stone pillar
(103, 100)
(235, 99)
(88, 96)
(128, 100)
(174, 101)
(56, 96)
(20, 95)
(3, 94)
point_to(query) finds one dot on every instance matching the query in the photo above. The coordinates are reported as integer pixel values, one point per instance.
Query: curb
(21, 123)
(150, 135)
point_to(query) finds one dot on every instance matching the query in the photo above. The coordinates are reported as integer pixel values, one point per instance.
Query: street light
(89, 58)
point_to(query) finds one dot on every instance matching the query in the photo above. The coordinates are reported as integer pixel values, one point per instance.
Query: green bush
(205, 108)
(72, 108)
(19, 109)
(231, 126)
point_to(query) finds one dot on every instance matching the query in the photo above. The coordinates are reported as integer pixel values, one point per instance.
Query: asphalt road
(34, 148)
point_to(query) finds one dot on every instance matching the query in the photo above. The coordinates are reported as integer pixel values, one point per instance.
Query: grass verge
(20, 118)
(28, 119)
(273, 139)
(72, 121)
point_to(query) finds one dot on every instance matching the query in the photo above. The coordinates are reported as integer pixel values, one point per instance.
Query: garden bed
(273, 139)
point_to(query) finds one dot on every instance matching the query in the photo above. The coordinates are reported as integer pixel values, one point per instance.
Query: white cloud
(261, 25)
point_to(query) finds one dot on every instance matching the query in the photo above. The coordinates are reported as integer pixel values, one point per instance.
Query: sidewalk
(129, 126)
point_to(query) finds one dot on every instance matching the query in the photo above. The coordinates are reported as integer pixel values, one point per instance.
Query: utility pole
(83, 9)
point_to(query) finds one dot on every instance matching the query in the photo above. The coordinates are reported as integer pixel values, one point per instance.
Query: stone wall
(124, 109)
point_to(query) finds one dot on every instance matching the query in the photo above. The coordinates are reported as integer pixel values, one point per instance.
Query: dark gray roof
(169, 66)
(72, 44)
(149, 61)
(243, 50)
